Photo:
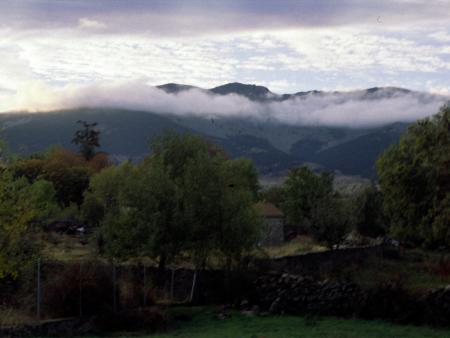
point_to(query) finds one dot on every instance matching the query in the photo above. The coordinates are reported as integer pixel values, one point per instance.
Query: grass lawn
(205, 325)
(299, 245)
(416, 269)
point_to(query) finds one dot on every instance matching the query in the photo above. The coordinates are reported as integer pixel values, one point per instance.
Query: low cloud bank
(345, 109)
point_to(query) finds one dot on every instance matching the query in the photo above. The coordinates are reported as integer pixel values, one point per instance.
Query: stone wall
(317, 263)
(294, 294)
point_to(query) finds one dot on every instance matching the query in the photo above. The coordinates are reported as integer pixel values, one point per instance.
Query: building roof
(269, 210)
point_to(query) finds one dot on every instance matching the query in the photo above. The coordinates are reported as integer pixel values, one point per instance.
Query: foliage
(87, 138)
(330, 220)
(68, 174)
(62, 297)
(21, 205)
(67, 171)
(187, 196)
(415, 181)
(367, 212)
(274, 195)
(304, 189)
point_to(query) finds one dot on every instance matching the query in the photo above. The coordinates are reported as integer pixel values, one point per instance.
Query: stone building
(273, 233)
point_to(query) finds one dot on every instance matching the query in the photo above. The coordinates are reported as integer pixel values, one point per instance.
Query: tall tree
(330, 220)
(21, 205)
(367, 212)
(187, 196)
(87, 138)
(303, 190)
(414, 177)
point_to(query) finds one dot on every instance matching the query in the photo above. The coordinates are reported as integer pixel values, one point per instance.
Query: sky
(66, 49)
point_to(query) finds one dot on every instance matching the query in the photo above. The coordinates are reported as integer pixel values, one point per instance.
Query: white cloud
(441, 36)
(347, 109)
(70, 57)
(86, 23)
(358, 49)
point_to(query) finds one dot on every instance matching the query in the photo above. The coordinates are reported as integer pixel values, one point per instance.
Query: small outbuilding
(273, 233)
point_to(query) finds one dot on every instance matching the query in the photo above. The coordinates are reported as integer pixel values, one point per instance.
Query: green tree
(275, 195)
(330, 220)
(187, 196)
(21, 205)
(241, 173)
(104, 206)
(69, 172)
(87, 138)
(414, 176)
(69, 175)
(217, 201)
(303, 190)
(367, 212)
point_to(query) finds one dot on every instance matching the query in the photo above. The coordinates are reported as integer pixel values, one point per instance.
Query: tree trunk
(161, 270)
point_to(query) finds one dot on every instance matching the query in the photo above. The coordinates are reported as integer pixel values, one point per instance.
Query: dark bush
(147, 319)
(440, 268)
(66, 286)
(391, 301)
(390, 252)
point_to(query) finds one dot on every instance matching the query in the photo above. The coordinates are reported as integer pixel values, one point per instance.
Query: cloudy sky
(49, 48)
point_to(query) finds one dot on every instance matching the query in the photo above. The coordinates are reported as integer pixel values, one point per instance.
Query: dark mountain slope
(124, 133)
(358, 156)
(252, 92)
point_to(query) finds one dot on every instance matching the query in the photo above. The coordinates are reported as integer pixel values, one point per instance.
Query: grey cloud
(197, 17)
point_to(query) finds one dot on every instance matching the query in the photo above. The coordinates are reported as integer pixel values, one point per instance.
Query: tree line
(187, 197)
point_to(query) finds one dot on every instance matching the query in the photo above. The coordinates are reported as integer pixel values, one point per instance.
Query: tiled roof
(269, 210)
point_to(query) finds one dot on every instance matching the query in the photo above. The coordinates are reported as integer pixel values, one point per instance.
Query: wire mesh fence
(55, 290)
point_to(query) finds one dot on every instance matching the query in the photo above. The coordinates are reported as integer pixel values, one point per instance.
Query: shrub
(63, 290)
(441, 268)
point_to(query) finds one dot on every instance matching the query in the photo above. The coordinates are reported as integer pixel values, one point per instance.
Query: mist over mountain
(373, 107)
(339, 131)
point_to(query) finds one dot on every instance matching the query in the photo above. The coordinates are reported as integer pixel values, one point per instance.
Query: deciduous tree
(414, 177)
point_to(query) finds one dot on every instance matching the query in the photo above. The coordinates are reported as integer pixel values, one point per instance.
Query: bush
(391, 301)
(441, 268)
(148, 319)
(62, 290)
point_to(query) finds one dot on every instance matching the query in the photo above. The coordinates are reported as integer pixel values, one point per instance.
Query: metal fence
(85, 288)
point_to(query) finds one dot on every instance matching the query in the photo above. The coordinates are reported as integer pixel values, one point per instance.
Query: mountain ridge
(257, 92)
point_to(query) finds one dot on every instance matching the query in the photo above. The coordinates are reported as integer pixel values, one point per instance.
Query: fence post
(80, 292)
(145, 286)
(38, 300)
(114, 287)
(194, 280)
(171, 284)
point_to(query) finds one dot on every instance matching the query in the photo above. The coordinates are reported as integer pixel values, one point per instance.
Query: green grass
(67, 248)
(299, 245)
(13, 317)
(205, 325)
(414, 269)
